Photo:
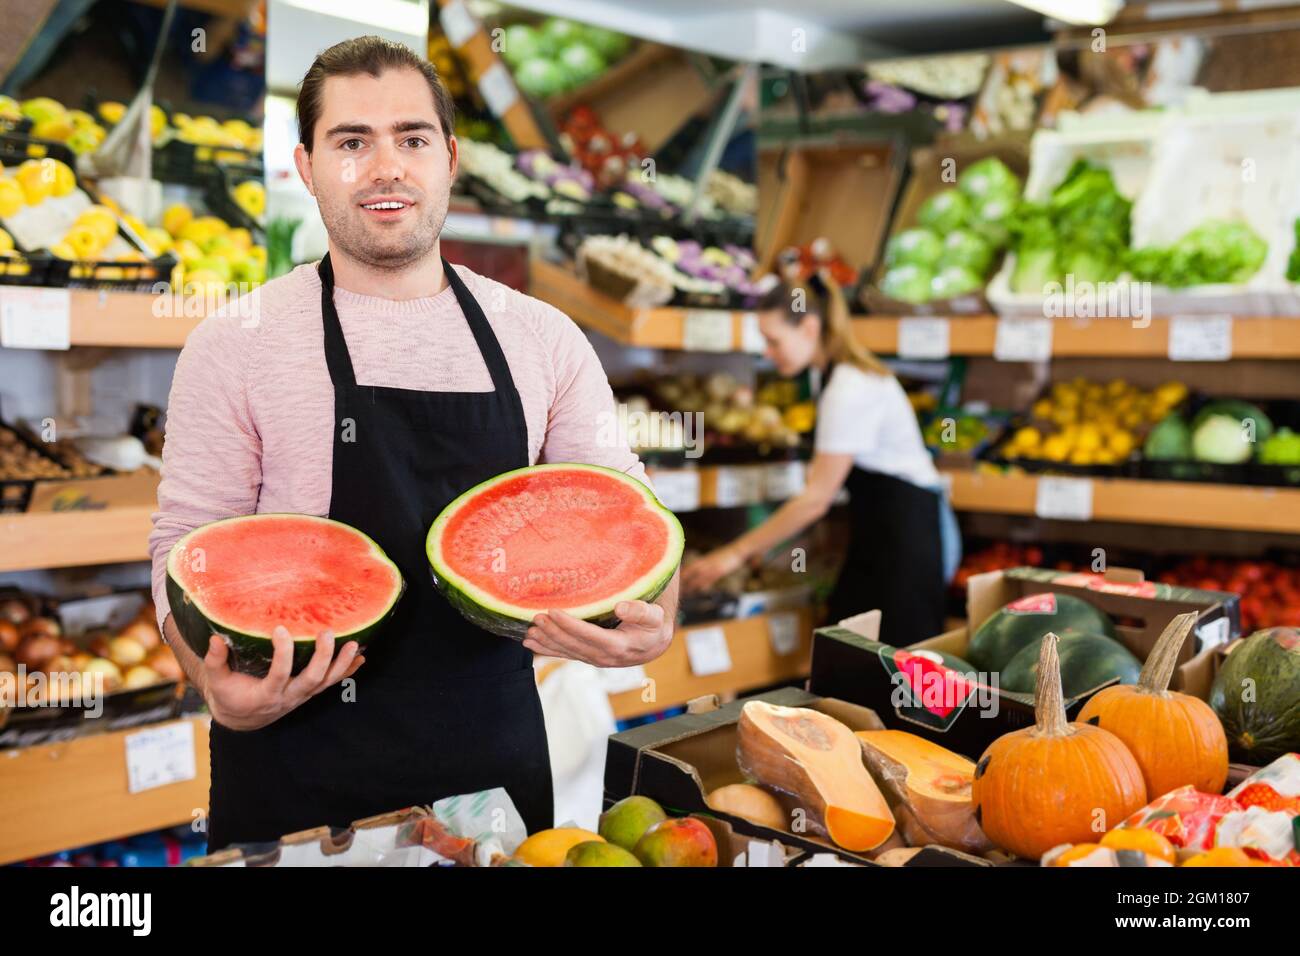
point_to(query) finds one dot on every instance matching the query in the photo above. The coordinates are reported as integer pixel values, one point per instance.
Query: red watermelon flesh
(578, 538)
(245, 576)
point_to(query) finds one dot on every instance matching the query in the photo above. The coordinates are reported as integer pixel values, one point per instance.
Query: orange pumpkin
(1056, 782)
(1176, 738)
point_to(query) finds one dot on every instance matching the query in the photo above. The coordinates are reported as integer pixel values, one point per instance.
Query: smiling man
(374, 387)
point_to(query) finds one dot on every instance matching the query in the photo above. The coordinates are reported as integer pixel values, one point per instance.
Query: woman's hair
(821, 295)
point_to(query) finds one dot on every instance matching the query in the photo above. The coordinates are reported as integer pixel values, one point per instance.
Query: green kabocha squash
(1257, 696)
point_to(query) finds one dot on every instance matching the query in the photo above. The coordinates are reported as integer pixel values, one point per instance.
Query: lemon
(1081, 456)
(6, 243)
(84, 241)
(158, 238)
(188, 252)
(36, 177)
(112, 113)
(63, 250)
(1089, 438)
(157, 120)
(1121, 444)
(1056, 448)
(1042, 408)
(9, 108)
(42, 108)
(1027, 437)
(11, 197)
(240, 238)
(57, 128)
(176, 218)
(65, 180)
(102, 221)
(251, 197)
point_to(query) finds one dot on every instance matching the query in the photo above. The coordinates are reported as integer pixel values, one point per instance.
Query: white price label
(498, 89)
(922, 338)
(1200, 338)
(751, 336)
(1023, 340)
(783, 480)
(706, 648)
(620, 680)
(677, 490)
(1213, 634)
(706, 330)
(159, 756)
(738, 486)
(783, 632)
(1068, 499)
(457, 23)
(35, 319)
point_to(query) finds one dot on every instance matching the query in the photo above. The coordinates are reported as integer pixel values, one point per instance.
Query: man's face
(380, 168)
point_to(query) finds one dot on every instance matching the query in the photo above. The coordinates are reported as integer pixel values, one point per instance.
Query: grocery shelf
(1264, 337)
(663, 328)
(70, 794)
(752, 646)
(727, 486)
(99, 317)
(72, 538)
(1177, 503)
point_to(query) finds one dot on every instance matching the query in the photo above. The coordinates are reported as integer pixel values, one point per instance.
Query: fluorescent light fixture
(410, 17)
(1093, 12)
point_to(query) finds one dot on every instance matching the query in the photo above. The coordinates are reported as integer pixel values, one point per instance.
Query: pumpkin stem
(1049, 702)
(1159, 666)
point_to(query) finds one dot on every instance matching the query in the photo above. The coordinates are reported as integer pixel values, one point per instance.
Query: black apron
(895, 557)
(441, 707)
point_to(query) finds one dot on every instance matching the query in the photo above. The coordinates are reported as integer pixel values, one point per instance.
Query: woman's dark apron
(440, 707)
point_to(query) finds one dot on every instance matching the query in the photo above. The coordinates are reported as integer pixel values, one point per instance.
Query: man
(375, 388)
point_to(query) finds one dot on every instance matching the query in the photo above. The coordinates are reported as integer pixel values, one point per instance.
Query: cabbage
(581, 63)
(541, 78)
(989, 178)
(992, 220)
(1215, 252)
(964, 247)
(916, 246)
(944, 211)
(1221, 440)
(520, 43)
(953, 281)
(907, 282)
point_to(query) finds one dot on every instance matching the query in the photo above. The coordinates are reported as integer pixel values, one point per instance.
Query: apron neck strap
(336, 348)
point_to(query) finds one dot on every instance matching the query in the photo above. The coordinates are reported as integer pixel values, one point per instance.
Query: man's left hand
(641, 636)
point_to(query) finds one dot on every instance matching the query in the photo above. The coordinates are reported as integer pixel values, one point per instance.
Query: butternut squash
(750, 803)
(931, 783)
(818, 761)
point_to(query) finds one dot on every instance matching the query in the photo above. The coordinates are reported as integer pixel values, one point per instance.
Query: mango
(627, 821)
(550, 847)
(681, 841)
(599, 853)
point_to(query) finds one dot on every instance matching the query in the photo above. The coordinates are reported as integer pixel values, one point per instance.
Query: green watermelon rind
(513, 621)
(1268, 727)
(251, 653)
(991, 651)
(1020, 676)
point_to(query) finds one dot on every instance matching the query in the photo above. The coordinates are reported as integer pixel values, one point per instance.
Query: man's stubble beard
(354, 240)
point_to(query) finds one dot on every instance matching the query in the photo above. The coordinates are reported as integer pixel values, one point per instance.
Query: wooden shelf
(1176, 503)
(727, 486)
(1252, 337)
(73, 538)
(660, 328)
(123, 320)
(754, 663)
(59, 796)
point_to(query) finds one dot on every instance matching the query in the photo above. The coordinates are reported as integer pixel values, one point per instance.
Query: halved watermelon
(567, 537)
(245, 576)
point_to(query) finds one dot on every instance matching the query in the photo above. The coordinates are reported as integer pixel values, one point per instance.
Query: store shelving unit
(757, 655)
(73, 538)
(1174, 503)
(76, 793)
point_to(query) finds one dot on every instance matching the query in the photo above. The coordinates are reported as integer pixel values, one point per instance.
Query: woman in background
(904, 542)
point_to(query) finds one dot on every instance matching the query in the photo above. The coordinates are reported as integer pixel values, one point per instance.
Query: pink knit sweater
(250, 419)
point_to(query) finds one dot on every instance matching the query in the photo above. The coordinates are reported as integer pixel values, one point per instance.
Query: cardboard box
(927, 177)
(848, 662)
(677, 762)
(840, 188)
(138, 487)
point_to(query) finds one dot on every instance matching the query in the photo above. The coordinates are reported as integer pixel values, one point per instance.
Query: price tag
(1214, 633)
(1023, 340)
(706, 648)
(620, 680)
(922, 338)
(457, 23)
(738, 486)
(498, 89)
(783, 632)
(159, 756)
(1069, 499)
(706, 330)
(1200, 338)
(35, 319)
(677, 490)
(751, 336)
(783, 480)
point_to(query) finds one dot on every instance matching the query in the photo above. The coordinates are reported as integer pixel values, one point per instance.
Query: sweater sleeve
(212, 457)
(581, 424)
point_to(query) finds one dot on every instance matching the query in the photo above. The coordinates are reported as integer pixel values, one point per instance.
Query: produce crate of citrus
(209, 251)
(1081, 424)
(77, 129)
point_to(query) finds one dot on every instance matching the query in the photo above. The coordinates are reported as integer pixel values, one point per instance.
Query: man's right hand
(244, 702)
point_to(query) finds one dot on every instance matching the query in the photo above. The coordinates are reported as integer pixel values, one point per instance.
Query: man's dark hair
(372, 55)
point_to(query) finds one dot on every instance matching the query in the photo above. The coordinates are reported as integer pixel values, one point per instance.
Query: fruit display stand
(70, 794)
